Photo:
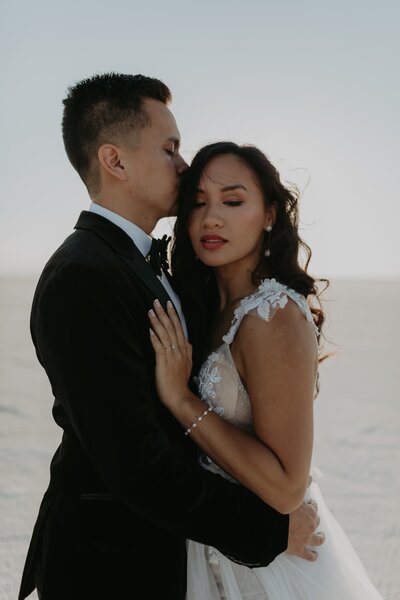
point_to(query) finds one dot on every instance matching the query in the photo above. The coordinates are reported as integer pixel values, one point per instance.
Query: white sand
(357, 427)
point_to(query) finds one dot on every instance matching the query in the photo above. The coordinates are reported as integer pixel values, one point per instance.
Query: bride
(236, 267)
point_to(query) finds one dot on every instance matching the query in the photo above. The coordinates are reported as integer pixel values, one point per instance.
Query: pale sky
(314, 84)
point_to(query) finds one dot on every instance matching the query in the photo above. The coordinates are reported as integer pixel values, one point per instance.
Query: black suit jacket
(125, 489)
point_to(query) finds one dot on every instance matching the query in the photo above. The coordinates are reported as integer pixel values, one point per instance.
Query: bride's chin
(212, 261)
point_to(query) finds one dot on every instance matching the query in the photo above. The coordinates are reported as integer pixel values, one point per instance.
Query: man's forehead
(161, 117)
(156, 108)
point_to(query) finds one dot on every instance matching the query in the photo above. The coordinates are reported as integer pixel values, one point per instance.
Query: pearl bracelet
(198, 419)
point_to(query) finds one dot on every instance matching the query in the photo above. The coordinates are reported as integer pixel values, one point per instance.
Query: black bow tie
(158, 254)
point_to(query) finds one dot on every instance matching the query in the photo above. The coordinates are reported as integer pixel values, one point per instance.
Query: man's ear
(110, 159)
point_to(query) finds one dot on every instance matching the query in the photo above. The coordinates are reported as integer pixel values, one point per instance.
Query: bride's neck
(233, 284)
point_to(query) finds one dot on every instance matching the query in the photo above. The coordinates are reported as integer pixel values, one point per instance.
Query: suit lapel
(126, 250)
(139, 265)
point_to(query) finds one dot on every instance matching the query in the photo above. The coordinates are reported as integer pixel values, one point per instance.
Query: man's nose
(180, 164)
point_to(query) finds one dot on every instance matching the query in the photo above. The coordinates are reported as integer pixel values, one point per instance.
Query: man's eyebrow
(175, 141)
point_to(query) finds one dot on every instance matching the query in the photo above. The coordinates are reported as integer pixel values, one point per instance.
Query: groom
(125, 489)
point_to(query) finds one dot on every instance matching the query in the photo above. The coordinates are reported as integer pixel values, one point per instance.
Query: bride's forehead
(226, 170)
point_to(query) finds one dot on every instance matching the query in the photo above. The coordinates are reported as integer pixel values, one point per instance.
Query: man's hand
(302, 525)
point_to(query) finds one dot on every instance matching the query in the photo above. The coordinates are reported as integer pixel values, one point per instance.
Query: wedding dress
(337, 574)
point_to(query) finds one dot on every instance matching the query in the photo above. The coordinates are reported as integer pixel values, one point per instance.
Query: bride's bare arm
(277, 361)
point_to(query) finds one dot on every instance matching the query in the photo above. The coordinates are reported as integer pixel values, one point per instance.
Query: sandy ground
(357, 427)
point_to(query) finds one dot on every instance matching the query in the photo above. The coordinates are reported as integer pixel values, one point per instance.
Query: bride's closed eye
(233, 202)
(199, 203)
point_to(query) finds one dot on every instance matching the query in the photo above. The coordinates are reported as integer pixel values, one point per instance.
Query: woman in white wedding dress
(236, 261)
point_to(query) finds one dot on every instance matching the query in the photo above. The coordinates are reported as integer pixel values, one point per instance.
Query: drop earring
(267, 252)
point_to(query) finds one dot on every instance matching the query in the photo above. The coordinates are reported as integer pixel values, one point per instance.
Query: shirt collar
(140, 238)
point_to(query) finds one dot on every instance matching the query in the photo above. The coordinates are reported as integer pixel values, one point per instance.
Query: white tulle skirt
(337, 574)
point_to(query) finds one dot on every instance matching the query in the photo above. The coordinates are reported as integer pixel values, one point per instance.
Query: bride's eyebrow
(228, 188)
(237, 186)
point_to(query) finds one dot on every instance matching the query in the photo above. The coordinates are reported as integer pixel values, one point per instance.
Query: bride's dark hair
(195, 281)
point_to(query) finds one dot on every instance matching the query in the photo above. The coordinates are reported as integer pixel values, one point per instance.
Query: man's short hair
(102, 109)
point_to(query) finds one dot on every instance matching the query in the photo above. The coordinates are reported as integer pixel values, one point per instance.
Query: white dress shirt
(143, 243)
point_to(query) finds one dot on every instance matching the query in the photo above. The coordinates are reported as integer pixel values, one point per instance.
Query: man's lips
(212, 242)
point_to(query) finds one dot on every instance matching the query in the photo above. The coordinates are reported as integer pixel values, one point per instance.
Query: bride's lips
(212, 242)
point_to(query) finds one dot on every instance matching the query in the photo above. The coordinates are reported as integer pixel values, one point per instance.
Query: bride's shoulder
(271, 299)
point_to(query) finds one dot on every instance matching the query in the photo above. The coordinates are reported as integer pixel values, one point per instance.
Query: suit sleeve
(89, 343)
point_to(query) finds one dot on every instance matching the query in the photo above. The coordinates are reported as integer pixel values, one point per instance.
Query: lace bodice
(218, 382)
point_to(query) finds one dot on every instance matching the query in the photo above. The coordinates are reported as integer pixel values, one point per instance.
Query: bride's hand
(173, 354)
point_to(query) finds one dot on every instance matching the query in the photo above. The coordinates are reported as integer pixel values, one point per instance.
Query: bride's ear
(270, 215)
(110, 159)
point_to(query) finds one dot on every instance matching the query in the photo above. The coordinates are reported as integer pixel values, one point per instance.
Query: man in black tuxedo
(125, 489)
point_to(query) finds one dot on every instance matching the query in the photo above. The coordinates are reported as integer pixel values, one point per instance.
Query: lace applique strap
(269, 296)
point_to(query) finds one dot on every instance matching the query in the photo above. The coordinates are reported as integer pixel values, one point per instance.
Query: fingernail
(157, 303)
(151, 332)
(169, 304)
(152, 313)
